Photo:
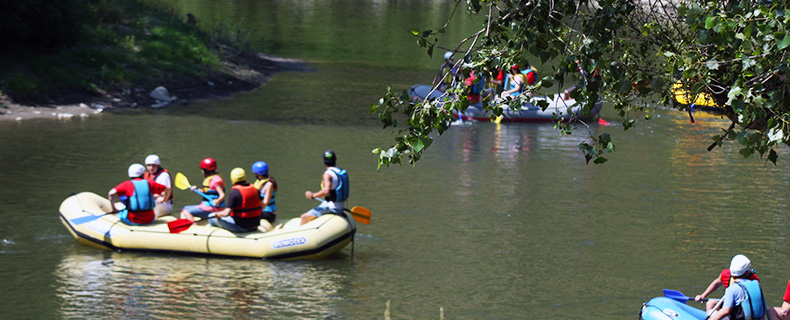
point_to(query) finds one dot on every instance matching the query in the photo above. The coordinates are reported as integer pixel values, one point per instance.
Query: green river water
(495, 222)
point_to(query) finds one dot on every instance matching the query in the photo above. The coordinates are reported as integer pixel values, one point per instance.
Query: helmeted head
(238, 175)
(740, 265)
(152, 163)
(153, 159)
(448, 55)
(330, 158)
(260, 168)
(136, 170)
(208, 164)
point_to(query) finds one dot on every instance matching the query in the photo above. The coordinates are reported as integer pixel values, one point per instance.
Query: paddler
(334, 189)
(213, 187)
(267, 187)
(137, 195)
(155, 172)
(243, 213)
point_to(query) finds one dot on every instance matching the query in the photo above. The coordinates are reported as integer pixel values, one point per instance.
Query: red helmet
(208, 164)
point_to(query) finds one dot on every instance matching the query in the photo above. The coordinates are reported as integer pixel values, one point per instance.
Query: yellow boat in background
(702, 101)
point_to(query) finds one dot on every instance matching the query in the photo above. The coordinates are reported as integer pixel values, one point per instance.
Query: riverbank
(105, 55)
(240, 73)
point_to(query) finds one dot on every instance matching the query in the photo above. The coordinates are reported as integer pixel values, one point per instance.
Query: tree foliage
(630, 53)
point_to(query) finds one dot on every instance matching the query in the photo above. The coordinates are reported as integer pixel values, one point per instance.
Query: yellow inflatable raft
(84, 215)
(682, 96)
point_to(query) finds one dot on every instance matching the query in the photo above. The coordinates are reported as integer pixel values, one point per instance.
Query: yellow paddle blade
(182, 182)
(361, 215)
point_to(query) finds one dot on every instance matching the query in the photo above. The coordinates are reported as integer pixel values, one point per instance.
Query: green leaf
(772, 156)
(782, 40)
(710, 22)
(712, 64)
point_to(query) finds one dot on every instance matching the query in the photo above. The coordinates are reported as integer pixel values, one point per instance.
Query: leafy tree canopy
(630, 53)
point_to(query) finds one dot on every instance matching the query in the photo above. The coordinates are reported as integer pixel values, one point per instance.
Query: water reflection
(128, 285)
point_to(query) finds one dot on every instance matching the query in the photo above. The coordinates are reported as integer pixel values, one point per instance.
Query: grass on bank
(122, 45)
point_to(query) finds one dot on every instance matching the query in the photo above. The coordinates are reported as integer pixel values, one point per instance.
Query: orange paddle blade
(361, 215)
(179, 225)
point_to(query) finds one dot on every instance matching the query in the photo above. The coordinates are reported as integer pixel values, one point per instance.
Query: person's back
(334, 190)
(244, 206)
(267, 186)
(743, 298)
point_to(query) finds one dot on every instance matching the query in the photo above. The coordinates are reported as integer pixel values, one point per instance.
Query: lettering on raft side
(291, 242)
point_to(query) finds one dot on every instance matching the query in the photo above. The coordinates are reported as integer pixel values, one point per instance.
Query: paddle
(179, 225)
(679, 296)
(86, 219)
(360, 214)
(183, 183)
(92, 216)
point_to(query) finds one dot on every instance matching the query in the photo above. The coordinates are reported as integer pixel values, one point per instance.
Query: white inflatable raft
(84, 215)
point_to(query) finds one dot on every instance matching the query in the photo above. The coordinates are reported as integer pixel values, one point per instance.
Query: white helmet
(136, 170)
(152, 159)
(448, 55)
(739, 265)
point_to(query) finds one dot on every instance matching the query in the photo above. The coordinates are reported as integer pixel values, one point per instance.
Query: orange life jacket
(149, 177)
(250, 203)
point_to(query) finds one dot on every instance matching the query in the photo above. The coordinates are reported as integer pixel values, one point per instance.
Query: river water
(495, 222)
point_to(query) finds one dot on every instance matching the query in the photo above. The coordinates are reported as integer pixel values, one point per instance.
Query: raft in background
(85, 216)
(662, 308)
(702, 101)
(558, 109)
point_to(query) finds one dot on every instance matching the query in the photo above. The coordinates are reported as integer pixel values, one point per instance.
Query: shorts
(227, 223)
(324, 208)
(124, 216)
(199, 211)
(164, 208)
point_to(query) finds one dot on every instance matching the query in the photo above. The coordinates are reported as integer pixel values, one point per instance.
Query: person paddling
(137, 194)
(334, 187)
(267, 187)
(213, 186)
(243, 213)
(724, 279)
(155, 172)
(743, 298)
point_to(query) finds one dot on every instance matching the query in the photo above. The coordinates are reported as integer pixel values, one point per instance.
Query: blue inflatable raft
(662, 308)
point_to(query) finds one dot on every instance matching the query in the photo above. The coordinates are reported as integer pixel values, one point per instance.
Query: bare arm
(327, 183)
(267, 194)
(718, 314)
(221, 197)
(224, 213)
(112, 195)
(714, 285)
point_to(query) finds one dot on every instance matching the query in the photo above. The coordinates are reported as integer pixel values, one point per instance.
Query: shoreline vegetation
(79, 58)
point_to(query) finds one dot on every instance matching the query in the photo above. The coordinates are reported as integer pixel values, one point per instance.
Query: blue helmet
(260, 168)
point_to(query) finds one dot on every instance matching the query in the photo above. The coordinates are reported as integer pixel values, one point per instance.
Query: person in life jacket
(517, 80)
(213, 187)
(724, 279)
(137, 196)
(267, 188)
(743, 298)
(475, 85)
(243, 213)
(155, 172)
(448, 73)
(334, 189)
(781, 313)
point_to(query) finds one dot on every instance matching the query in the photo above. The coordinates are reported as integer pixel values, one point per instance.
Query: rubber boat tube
(85, 216)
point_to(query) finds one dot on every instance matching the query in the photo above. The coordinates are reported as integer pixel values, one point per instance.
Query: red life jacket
(725, 277)
(147, 176)
(250, 202)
